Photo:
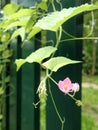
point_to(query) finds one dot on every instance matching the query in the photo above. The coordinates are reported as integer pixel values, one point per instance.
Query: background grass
(90, 104)
(90, 78)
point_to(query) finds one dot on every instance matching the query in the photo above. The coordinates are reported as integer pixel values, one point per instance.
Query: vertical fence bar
(37, 81)
(23, 115)
(30, 81)
(19, 87)
(6, 127)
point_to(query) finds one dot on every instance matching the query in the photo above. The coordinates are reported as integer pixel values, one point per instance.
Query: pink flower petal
(61, 86)
(65, 86)
(75, 87)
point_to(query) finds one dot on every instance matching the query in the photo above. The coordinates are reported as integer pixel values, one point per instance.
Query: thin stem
(92, 20)
(55, 107)
(59, 2)
(72, 96)
(80, 38)
(78, 102)
(68, 34)
(53, 80)
(58, 36)
(53, 6)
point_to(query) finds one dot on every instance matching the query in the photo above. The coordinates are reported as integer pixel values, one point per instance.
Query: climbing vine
(5, 54)
(26, 23)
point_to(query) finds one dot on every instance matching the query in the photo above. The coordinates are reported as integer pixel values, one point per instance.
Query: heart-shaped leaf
(55, 19)
(57, 62)
(37, 56)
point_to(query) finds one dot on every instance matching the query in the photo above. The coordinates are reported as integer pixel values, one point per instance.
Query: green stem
(53, 6)
(58, 36)
(53, 80)
(72, 96)
(59, 2)
(78, 102)
(80, 38)
(55, 107)
(92, 15)
(68, 34)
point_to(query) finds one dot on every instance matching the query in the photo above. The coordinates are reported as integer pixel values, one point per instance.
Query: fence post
(22, 114)
(72, 49)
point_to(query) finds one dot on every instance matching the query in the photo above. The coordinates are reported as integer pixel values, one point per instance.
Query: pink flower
(67, 86)
(75, 87)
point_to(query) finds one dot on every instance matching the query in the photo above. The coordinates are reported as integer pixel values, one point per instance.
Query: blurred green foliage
(90, 48)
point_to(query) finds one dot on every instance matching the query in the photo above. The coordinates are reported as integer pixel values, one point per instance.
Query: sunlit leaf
(10, 8)
(7, 54)
(33, 32)
(42, 5)
(5, 37)
(21, 13)
(30, 23)
(55, 19)
(37, 56)
(21, 32)
(6, 23)
(17, 24)
(19, 63)
(57, 62)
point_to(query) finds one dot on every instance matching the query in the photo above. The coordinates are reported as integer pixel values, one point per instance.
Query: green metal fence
(21, 114)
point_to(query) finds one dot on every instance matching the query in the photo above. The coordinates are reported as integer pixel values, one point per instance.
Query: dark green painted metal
(27, 95)
(30, 82)
(23, 116)
(72, 49)
(13, 96)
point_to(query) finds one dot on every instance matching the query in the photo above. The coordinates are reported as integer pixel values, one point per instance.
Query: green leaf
(5, 37)
(37, 56)
(30, 23)
(20, 31)
(54, 20)
(42, 5)
(1, 68)
(5, 24)
(22, 13)
(2, 47)
(19, 18)
(34, 31)
(57, 62)
(10, 8)
(6, 54)
(19, 63)
(16, 24)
